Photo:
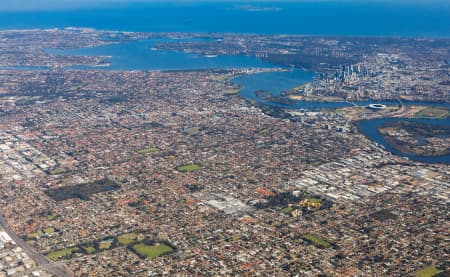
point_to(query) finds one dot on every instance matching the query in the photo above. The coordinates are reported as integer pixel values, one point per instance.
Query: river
(370, 129)
(141, 55)
(138, 55)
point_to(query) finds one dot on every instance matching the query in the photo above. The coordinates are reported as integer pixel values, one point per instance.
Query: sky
(31, 5)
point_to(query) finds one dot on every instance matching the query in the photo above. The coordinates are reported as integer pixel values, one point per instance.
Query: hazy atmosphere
(224, 138)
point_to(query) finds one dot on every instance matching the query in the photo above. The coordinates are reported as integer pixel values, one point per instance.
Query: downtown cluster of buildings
(386, 76)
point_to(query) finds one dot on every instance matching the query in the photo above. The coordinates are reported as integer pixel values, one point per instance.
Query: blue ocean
(350, 18)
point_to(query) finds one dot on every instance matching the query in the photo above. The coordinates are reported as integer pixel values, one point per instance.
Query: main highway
(57, 269)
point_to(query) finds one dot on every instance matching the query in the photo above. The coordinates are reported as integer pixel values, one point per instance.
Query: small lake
(370, 129)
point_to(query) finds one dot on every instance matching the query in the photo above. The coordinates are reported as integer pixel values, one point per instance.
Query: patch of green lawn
(192, 131)
(264, 131)
(49, 230)
(428, 271)
(152, 251)
(61, 254)
(90, 249)
(35, 235)
(316, 241)
(148, 150)
(189, 167)
(57, 171)
(287, 210)
(315, 200)
(235, 238)
(103, 245)
(52, 217)
(126, 239)
(433, 112)
(231, 91)
(315, 163)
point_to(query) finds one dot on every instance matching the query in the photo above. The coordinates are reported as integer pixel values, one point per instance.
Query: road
(57, 269)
